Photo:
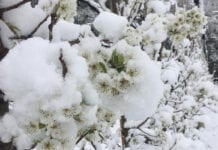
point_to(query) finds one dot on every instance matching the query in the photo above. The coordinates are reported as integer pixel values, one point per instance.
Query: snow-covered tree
(134, 78)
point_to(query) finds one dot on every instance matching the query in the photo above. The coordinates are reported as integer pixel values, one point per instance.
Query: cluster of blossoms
(186, 23)
(64, 9)
(132, 36)
(152, 31)
(67, 9)
(119, 74)
(187, 109)
(150, 34)
(188, 99)
(158, 7)
(47, 111)
(58, 96)
(158, 25)
(115, 70)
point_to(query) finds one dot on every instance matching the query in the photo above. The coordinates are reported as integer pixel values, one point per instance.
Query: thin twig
(33, 32)
(90, 131)
(2, 10)
(174, 144)
(93, 145)
(82, 136)
(113, 6)
(135, 11)
(160, 52)
(146, 133)
(181, 83)
(38, 26)
(73, 42)
(142, 123)
(54, 19)
(63, 64)
(94, 5)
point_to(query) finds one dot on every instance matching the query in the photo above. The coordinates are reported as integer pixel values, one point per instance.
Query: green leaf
(102, 67)
(41, 125)
(92, 130)
(200, 125)
(77, 117)
(117, 61)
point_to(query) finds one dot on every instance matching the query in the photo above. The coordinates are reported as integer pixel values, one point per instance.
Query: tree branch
(3, 50)
(33, 32)
(54, 20)
(124, 132)
(63, 64)
(160, 53)
(142, 123)
(2, 10)
(82, 136)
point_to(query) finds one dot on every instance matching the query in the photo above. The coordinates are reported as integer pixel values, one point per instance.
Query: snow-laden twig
(96, 6)
(34, 30)
(2, 10)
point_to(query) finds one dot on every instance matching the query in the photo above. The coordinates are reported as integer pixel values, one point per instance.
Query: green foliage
(102, 67)
(77, 117)
(202, 92)
(117, 61)
(41, 125)
(92, 129)
(200, 125)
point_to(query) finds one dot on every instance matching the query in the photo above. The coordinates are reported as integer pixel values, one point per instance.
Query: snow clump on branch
(48, 110)
(125, 78)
